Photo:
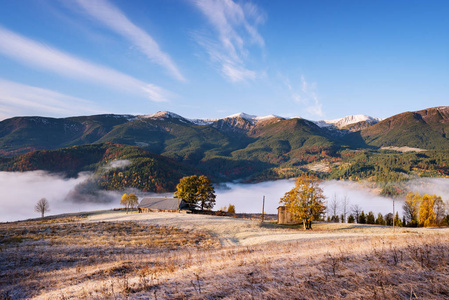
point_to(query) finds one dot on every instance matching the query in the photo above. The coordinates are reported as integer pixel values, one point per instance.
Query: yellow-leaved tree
(427, 216)
(305, 201)
(411, 208)
(196, 191)
(129, 201)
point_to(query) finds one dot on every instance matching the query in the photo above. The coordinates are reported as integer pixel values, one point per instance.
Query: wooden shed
(153, 204)
(285, 216)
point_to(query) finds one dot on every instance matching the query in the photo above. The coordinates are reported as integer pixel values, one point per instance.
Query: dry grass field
(177, 256)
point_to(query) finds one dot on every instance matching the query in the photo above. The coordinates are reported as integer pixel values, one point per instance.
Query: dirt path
(243, 232)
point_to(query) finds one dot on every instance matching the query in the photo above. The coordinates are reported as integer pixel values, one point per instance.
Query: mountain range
(237, 146)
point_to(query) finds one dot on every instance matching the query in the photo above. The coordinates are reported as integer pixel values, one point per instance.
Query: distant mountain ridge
(348, 120)
(425, 128)
(338, 123)
(156, 132)
(235, 147)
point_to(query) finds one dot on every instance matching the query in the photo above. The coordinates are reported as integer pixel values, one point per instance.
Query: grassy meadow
(178, 256)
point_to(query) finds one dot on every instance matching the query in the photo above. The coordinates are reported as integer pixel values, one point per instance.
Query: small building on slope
(285, 216)
(154, 204)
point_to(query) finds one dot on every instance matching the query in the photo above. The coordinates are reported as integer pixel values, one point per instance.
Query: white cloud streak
(20, 99)
(236, 26)
(113, 18)
(306, 94)
(44, 57)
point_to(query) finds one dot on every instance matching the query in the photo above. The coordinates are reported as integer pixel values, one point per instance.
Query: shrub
(231, 209)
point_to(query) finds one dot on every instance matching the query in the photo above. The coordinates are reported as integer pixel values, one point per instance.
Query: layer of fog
(248, 198)
(21, 191)
(437, 186)
(117, 164)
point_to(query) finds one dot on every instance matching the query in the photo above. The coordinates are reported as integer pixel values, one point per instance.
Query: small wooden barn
(153, 204)
(285, 216)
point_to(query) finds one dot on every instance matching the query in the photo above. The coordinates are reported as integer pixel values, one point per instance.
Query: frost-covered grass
(159, 256)
(47, 256)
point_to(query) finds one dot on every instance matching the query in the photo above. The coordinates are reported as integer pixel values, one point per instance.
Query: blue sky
(208, 59)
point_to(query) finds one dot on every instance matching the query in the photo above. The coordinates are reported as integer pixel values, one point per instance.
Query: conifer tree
(397, 220)
(370, 219)
(380, 219)
(351, 219)
(362, 218)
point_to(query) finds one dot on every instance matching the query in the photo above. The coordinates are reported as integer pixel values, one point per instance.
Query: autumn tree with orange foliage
(129, 201)
(305, 200)
(427, 216)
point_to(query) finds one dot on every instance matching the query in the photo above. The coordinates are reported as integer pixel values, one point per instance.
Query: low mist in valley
(248, 198)
(21, 191)
(437, 186)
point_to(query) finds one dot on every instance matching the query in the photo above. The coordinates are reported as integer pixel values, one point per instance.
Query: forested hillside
(163, 147)
(425, 129)
(115, 166)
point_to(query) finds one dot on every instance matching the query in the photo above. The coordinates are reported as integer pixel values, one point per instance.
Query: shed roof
(161, 203)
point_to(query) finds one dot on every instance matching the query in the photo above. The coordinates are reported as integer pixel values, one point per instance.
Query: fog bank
(21, 191)
(247, 198)
(437, 186)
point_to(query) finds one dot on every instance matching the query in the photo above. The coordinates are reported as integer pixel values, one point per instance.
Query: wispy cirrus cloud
(45, 57)
(20, 99)
(236, 25)
(116, 20)
(305, 93)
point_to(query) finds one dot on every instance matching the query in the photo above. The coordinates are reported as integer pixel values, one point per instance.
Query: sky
(316, 59)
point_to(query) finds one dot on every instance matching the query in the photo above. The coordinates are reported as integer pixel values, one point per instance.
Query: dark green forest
(151, 172)
(161, 150)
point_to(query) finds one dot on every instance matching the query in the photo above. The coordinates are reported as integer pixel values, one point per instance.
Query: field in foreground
(177, 256)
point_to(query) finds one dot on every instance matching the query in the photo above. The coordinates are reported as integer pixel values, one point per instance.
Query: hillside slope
(235, 147)
(115, 167)
(25, 134)
(425, 129)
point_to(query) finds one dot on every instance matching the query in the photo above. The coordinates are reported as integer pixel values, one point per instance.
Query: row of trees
(306, 204)
(418, 210)
(368, 218)
(424, 210)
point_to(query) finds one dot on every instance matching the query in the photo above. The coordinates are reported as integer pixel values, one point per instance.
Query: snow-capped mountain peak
(348, 120)
(251, 118)
(163, 114)
(243, 116)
